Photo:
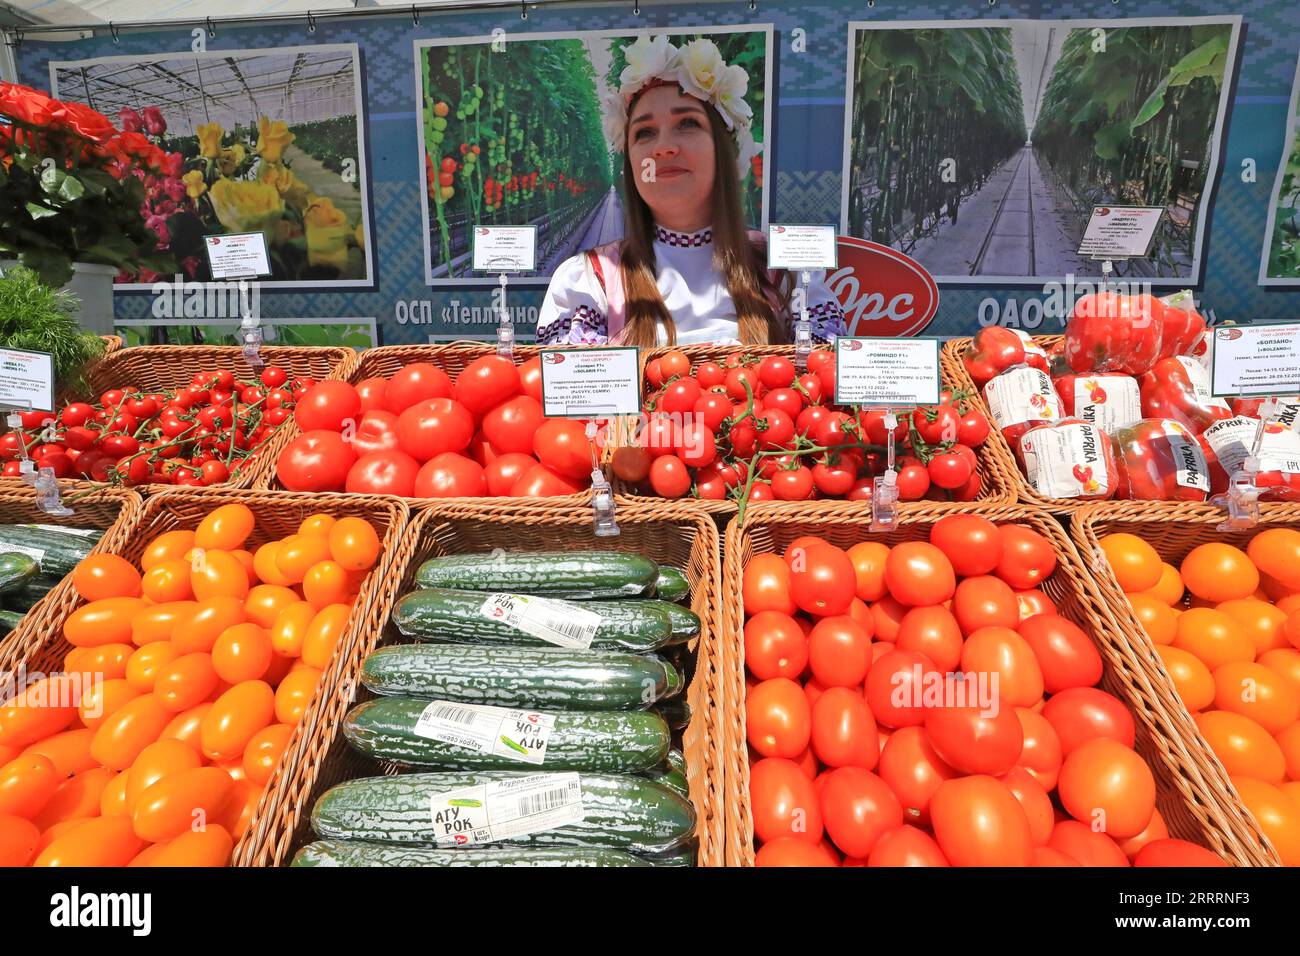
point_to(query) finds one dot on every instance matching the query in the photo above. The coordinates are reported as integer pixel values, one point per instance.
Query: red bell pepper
(1160, 460)
(1181, 324)
(1110, 400)
(1179, 388)
(1069, 459)
(1114, 333)
(1020, 398)
(993, 350)
(1227, 444)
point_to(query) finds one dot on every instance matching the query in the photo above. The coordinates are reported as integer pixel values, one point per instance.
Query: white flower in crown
(702, 67)
(730, 97)
(746, 148)
(646, 59)
(613, 118)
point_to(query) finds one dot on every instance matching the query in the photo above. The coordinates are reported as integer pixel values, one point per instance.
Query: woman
(687, 271)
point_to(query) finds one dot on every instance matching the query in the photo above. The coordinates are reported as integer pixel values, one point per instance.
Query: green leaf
(1214, 69)
(115, 250)
(54, 268)
(1109, 140)
(1198, 61)
(40, 212)
(1154, 104)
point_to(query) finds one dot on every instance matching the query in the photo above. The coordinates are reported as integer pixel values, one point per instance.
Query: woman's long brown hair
(742, 262)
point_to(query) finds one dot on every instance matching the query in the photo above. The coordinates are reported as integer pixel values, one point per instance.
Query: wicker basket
(39, 642)
(996, 465)
(112, 343)
(1173, 530)
(954, 370)
(387, 360)
(1191, 797)
(166, 367)
(111, 510)
(669, 533)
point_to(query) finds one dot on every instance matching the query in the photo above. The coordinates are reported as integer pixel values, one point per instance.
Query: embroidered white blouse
(694, 290)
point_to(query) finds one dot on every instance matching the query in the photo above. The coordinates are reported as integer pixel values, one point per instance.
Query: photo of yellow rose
(261, 141)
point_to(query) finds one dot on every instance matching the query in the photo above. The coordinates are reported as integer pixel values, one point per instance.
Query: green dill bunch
(40, 319)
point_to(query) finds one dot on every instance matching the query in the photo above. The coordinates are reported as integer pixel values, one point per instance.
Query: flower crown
(700, 71)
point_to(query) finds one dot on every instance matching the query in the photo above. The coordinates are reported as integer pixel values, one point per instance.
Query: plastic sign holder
(42, 479)
(604, 522)
(1242, 497)
(802, 248)
(884, 490)
(504, 249)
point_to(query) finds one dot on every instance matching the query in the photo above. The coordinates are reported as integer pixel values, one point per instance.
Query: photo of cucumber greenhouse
(985, 148)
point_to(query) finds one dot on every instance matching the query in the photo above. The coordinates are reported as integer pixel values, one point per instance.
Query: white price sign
(1120, 232)
(801, 247)
(1256, 360)
(885, 372)
(504, 248)
(590, 383)
(238, 256)
(26, 380)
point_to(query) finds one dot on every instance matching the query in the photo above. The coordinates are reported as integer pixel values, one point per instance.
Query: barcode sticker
(517, 734)
(64, 529)
(506, 809)
(36, 554)
(557, 622)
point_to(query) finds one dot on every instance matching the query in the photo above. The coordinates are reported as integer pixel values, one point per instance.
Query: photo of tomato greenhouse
(1280, 265)
(511, 133)
(982, 150)
(251, 141)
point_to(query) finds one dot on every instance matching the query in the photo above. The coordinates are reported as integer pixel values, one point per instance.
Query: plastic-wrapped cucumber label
(505, 809)
(556, 622)
(63, 529)
(517, 734)
(36, 554)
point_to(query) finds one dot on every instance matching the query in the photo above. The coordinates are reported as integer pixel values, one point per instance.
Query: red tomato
(1108, 786)
(778, 720)
(985, 601)
(765, 585)
(450, 475)
(975, 740)
(315, 461)
(973, 544)
(1066, 654)
(843, 730)
(1041, 753)
(783, 802)
(510, 426)
(416, 383)
(1001, 651)
(979, 822)
(712, 409)
(487, 382)
(1088, 847)
(372, 392)
(918, 574)
(787, 851)
(376, 432)
(839, 651)
(562, 445)
(502, 473)
(696, 446)
(913, 771)
(679, 398)
(1082, 713)
(857, 807)
(823, 581)
(906, 846)
(530, 378)
(383, 473)
(775, 646)
(1176, 853)
(1034, 801)
(1027, 557)
(895, 686)
(669, 477)
(328, 405)
(1034, 602)
(934, 632)
(540, 482)
(433, 427)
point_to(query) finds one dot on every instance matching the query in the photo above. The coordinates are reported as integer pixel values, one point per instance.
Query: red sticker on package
(1022, 395)
(1110, 402)
(1065, 461)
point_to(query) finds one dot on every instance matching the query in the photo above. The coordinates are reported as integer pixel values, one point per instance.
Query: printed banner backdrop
(271, 141)
(981, 151)
(531, 110)
(1281, 261)
(806, 144)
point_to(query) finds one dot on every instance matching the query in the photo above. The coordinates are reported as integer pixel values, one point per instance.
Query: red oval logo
(884, 292)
